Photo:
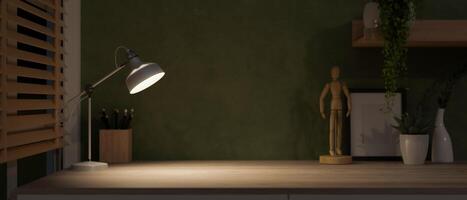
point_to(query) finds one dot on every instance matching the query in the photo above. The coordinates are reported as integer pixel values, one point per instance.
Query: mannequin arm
(321, 100)
(349, 100)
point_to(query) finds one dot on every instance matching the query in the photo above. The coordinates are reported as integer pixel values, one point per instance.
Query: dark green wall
(243, 77)
(2, 181)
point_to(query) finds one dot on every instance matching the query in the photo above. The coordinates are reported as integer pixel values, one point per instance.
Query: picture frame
(372, 136)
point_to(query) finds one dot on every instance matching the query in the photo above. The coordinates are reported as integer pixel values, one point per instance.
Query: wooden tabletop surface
(258, 177)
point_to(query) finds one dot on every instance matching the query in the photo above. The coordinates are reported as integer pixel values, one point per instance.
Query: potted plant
(441, 147)
(414, 138)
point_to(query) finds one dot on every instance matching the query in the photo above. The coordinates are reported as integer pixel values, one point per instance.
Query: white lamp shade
(143, 76)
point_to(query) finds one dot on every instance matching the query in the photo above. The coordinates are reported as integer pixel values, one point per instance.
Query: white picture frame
(371, 131)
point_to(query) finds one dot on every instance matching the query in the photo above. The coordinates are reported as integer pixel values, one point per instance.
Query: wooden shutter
(31, 85)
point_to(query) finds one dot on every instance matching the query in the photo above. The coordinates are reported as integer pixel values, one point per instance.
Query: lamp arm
(90, 87)
(108, 76)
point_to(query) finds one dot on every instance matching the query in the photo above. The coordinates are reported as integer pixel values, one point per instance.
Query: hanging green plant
(396, 17)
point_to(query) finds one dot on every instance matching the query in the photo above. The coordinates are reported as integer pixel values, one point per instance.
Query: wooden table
(277, 178)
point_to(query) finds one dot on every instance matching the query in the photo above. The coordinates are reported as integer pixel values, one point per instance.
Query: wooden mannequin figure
(337, 88)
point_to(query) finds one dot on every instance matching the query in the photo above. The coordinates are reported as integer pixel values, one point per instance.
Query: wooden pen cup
(115, 145)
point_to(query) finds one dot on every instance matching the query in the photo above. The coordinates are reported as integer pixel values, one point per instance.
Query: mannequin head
(335, 72)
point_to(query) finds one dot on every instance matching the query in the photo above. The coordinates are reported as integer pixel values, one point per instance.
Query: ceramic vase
(370, 15)
(441, 145)
(371, 20)
(414, 148)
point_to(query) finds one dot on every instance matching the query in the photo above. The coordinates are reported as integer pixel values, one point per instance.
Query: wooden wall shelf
(423, 33)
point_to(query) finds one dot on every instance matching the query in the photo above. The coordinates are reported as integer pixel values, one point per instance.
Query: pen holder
(115, 145)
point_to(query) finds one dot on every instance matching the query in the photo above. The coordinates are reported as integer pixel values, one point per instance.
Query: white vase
(414, 148)
(371, 20)
(371, 15)
(441, 146)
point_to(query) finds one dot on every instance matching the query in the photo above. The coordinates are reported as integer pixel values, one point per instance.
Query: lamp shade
(142, 75)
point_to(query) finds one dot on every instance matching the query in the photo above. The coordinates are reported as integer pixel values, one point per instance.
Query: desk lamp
(142, 76)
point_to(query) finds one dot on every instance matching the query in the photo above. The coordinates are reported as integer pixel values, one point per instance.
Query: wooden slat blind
(31, 79)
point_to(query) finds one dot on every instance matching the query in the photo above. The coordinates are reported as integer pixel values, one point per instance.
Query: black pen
(124, 120)
(103, 118)
(116, 112)
(130, 117)
(106, 122)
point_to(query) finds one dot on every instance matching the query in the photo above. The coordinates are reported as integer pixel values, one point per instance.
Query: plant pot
(441, 145)
(414, 148)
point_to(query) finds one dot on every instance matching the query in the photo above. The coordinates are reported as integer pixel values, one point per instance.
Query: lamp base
(89, 166)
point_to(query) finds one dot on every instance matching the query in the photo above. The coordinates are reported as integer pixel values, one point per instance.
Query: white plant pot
(414, 148)
(441, 145)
